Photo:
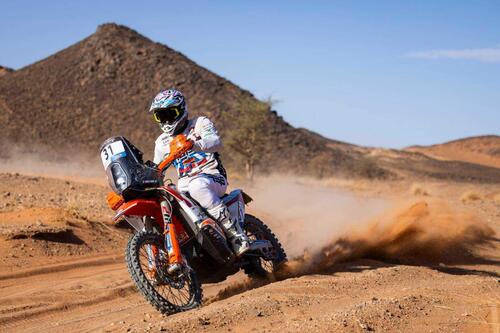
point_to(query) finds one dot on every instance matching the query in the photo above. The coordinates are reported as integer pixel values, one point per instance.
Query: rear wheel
(147, 263)
(259, 267)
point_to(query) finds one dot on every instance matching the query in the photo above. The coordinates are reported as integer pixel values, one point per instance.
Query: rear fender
(246, 198)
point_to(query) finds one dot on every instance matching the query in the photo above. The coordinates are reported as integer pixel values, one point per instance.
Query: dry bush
(470, 196)
(417, 190)
(367, 167)
(321, 165)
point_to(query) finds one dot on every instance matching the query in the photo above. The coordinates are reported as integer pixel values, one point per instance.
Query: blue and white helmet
(169, 110)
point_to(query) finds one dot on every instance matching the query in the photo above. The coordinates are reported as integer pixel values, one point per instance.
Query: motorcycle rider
(200, 170)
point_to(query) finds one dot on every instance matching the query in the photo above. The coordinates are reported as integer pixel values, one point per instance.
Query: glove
(180, 145)
(193, 137)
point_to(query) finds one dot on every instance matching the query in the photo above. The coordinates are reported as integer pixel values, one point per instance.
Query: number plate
(111, 152)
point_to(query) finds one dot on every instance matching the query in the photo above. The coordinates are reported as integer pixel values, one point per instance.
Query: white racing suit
(202, 175)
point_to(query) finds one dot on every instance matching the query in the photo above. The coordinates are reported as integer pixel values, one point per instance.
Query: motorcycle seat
(229, 198)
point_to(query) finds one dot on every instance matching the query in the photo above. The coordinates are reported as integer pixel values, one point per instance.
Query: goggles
(166, 115)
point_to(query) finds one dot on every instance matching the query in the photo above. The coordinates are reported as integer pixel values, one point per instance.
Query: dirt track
(362, 295)
(57, 285)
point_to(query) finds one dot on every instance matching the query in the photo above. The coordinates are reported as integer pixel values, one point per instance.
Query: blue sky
(377, 73)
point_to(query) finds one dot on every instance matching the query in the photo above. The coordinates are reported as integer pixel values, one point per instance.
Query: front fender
(140, 207)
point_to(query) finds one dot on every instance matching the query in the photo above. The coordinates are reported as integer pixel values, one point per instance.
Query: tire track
(111, 259)
(60, 288)
(64, 306)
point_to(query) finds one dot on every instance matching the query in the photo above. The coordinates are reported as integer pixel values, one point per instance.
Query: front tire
(258, 267)
(168, 294)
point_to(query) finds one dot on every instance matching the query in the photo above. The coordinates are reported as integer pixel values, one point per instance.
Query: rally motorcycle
(176, 246)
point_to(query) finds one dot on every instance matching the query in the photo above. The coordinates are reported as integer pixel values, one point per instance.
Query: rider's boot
(232, 229)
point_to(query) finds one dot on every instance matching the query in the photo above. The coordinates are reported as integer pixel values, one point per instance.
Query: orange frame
(151, 207)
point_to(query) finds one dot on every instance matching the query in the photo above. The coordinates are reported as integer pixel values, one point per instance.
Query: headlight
(119, 177)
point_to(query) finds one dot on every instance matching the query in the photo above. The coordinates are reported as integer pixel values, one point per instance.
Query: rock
(203, 321)
(365, 326)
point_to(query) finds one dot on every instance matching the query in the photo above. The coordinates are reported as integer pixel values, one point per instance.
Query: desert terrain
(483, 150)
(378, 239)
(364, 255)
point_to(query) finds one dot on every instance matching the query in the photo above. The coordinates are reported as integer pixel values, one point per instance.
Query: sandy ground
(365, 256)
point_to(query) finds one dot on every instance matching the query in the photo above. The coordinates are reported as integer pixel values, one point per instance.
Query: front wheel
(259, 267)
(147, 263)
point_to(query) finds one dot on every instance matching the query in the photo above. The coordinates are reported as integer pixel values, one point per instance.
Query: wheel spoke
(178, 297)
(257, 230)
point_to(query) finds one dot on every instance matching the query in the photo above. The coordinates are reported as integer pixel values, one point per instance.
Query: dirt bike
(176, 246)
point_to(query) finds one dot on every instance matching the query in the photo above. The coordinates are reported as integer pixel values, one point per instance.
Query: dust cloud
(424, 232)
(321, 227)
(41, 162)
(306, 215)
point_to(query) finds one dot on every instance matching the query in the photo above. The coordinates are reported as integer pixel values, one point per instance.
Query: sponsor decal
(166, 214)
(191, 161)
(168, 244)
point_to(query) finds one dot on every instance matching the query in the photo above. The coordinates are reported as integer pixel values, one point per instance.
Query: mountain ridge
(482, 149)
(68, 103)
(5, 70)
(104, 83)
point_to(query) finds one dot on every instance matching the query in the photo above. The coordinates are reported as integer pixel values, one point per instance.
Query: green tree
(248, 137)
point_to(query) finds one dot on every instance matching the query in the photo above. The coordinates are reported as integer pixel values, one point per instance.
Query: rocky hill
(483, 150)
(5, 70)
(102, 86)
(64, 106)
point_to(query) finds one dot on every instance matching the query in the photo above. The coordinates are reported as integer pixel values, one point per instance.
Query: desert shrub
(321, 165)
(417, 189)
(368, 168)
(470, 196)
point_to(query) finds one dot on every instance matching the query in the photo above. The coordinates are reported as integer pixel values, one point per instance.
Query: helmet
(169, 110)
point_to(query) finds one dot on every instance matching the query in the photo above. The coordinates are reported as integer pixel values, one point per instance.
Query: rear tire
(158, 287)
(258, 267)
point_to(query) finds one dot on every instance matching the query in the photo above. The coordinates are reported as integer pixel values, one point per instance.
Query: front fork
(171, 241)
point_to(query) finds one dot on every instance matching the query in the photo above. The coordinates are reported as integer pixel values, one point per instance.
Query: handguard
(114, 200)
(178, 147)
